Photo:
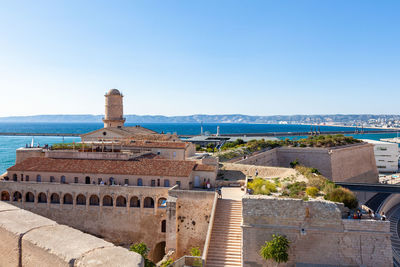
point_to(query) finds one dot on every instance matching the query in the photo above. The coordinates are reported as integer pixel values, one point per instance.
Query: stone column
(74, 200)
(171, 233)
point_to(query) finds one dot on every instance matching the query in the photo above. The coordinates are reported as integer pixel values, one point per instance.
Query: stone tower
(114, 109)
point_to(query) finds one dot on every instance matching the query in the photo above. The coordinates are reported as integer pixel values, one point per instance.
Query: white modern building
(386, 155)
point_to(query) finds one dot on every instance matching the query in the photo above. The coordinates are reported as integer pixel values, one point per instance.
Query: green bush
(297, 189)
(141, 248)
(276, 249)
(312, 191)
(344, 196)
(262, 187)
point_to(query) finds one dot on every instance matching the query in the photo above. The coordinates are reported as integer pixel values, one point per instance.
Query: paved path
(233, 193)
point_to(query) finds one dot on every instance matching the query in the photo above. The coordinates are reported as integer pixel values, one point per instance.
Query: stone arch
(121, 201)
(29, 197)
(134, 202)
(42, 198)
(54, 198)
(67, 199)
(17, 196)
(159, 251)
(148, 202)
(107, 200)
(94, 200)
(163, 226)
(80, 200)
(5, 196)
(162, 202)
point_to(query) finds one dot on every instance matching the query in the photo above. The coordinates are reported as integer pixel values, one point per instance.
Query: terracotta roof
(146, 167)
(203, 167)
(156, 144)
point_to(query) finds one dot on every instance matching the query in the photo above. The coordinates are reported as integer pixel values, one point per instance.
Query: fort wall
(352, 163)
(188, 214)
(120, 214)
(316, 231)
(28, 240)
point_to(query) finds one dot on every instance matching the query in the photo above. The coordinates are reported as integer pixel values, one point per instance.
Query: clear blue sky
(209, 57)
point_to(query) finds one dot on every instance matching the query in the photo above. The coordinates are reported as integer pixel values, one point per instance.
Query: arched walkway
(121, 201)
(17, 196)
(134, 202)
(5, 196)
(29, 197)
(159, 251)
(42, 198)
(107, 201)
(68, 199)
(54, 198)
(80, 200)
(94, 200)
(148, 202)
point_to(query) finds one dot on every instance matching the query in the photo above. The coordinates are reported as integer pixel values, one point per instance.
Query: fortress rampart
(29, 240)
(352, 163)
(316, 231)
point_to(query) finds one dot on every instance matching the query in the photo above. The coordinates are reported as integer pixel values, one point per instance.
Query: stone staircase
(226, 236)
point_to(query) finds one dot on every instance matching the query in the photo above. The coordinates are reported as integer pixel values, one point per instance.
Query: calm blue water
(8, 144)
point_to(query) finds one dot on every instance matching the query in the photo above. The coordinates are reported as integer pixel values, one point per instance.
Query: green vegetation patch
(260, 186)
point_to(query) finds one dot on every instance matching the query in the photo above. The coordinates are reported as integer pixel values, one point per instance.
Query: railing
(192, 261)
(210, 228)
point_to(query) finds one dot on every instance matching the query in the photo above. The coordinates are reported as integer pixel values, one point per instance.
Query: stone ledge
(27, 239)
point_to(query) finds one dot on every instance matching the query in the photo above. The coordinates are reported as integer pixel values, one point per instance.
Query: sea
(8, 144)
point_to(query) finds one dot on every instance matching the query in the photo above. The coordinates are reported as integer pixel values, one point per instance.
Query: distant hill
(228, 118)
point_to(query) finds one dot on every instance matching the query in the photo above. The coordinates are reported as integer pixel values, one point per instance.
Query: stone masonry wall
(27, 239)
(317, 233)
(121, 225)
(190, 224)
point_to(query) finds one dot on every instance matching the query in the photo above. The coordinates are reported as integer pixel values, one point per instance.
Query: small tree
(276, 249)
(141, 248)
(195, 251)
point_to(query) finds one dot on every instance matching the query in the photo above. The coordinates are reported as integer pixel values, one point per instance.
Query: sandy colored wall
(327, 238)
(120, 225)
(192, 215)
(354, 164)
(119, 179)
(267, 158)
(24, 153)
(28, 240)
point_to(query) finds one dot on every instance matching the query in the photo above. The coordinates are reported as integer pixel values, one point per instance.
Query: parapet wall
(316, 231)
(27, 239)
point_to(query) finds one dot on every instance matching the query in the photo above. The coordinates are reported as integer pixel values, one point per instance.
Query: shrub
(276, 249)
(195, 251)
(312, 191)
(294, 163)
(343, 195)
(297, 189)
(261, 186)
(141, 248)
(167, 263)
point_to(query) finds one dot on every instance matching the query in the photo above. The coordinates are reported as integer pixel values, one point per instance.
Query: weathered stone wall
(24, 153)
(266, 158)
(122, 225)
(27, 239)
(352, 163)
(190, 213)
(317, 233)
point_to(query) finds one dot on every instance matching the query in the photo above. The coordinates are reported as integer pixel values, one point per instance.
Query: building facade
(386, 156)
